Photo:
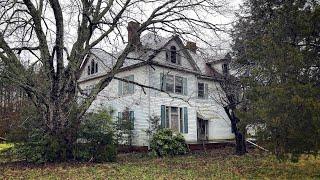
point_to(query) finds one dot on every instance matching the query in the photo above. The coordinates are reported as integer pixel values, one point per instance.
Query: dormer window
(225, 69)
(173, 56)
(92, 68)
(173, 53)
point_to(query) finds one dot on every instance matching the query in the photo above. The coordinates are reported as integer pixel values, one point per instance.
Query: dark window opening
(201, 90)
(179, 85)
(92, 68)
(173, 53)
(225, 69)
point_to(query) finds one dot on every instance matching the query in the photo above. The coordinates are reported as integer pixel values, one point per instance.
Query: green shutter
(131, 115)
(163, 116)
(120, 88)
(185, 87)
(185, 118)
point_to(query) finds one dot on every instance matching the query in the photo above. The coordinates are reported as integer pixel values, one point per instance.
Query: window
(178, 85)
(202, 90)
(225, 69)
(170, 83)
(126, 87)
(173, 84)
(175, 118)
(126, 118)
(173, 56)
(92, 68)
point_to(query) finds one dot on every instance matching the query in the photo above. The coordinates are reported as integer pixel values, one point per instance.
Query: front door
(202, 129)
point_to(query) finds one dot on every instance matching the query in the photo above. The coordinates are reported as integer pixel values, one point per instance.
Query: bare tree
(229, 94)
(59, 35)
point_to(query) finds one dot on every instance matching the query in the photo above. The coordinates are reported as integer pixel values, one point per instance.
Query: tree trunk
(241, 148)
(61, 122)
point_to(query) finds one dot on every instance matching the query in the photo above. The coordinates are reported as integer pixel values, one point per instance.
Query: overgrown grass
(216, 164)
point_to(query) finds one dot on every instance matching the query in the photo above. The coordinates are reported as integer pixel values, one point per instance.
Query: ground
(215, 164)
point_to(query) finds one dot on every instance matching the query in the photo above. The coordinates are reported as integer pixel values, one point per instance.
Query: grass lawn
(216, 164)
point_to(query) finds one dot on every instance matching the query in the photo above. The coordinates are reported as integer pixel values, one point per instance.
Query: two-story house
(190, 84)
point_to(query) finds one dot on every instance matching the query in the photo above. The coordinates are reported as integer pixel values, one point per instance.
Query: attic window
(173, 56)
(173, 53)
(225, 68)
(92, 68)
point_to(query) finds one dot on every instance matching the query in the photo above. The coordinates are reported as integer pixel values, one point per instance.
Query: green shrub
(96, 141)
(41, 147)
(93, 141)
(166, 142)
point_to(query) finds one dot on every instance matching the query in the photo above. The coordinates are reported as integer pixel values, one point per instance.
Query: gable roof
(152, 45)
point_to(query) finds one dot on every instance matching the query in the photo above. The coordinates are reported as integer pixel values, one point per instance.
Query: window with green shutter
(125, 117)
(175, 118)
(173, 84)
(125, 88)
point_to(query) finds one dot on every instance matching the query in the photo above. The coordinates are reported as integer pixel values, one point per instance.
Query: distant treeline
(12, 101)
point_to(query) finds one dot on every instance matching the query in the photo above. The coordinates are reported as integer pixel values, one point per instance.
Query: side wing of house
(121, 96)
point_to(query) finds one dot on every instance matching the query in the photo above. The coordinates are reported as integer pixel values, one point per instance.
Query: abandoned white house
(190, 84)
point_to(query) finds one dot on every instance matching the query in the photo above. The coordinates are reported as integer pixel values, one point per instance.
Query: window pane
(178, 85)
(174, 119)
(128, 88)
(125, 88)
(201, 90)
(173, 54)
(169, 83)
(92, 67)
(225, 68)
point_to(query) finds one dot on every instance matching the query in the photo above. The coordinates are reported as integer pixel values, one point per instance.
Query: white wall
(149, 103)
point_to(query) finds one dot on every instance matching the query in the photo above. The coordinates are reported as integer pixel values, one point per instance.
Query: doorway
(202, 129)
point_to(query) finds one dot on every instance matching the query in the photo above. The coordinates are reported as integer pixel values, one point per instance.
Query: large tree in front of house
(56, 36)
(277, 50)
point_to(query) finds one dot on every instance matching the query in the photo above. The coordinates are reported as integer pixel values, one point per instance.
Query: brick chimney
(133, 35)
(192, 46)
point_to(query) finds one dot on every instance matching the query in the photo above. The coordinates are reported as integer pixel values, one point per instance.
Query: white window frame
(95, 67)
(169, 115)
(183, 87)
(205, 90)
(126, 87)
